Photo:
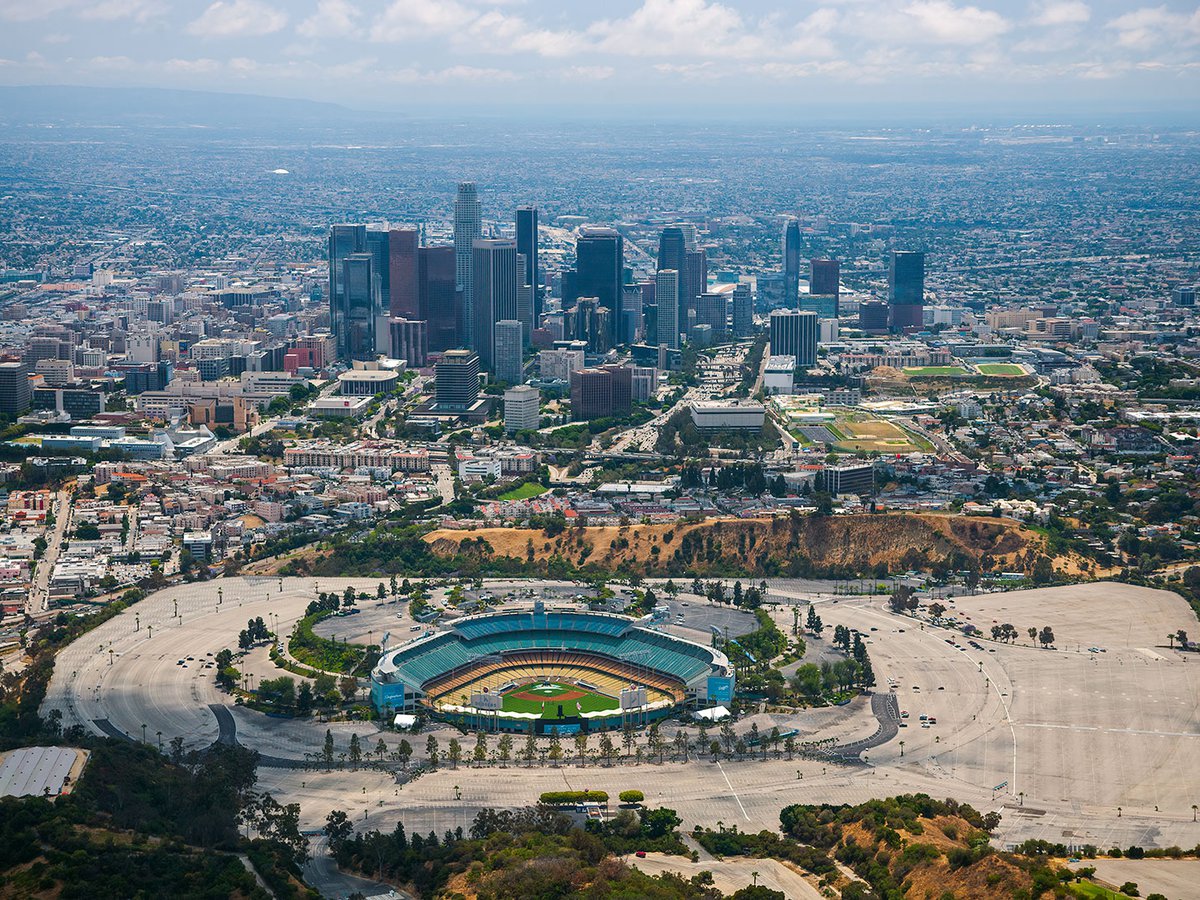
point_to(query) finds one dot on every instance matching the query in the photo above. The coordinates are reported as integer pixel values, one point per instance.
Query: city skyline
(472, 54)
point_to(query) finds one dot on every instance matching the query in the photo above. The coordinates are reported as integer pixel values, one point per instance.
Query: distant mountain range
(76, 105)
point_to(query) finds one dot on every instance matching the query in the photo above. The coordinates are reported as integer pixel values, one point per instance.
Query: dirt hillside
(794, 546)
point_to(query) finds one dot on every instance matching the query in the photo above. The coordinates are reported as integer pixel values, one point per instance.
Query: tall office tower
(743, 311)
(404, 297)
(599, 267)
(672, 254)
(1184, 295)
(510, 351)
(437, 298)
(873, 316)
(378, 245)
(630, 326)
(795, 333)
(525, 298)
(521, 409)
(410, 341)
(666, 290)
(360, 308)
(456, 380)
(791, 263)
(713, 310)
(527, 246)
(824, 277)
(696, 276)
(15, 393)
(468, 228)
(906, 289)
(343, 241)
(494, 284)
(599, 393)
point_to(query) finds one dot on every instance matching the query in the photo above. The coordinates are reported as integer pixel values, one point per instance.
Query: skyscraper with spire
(791, 264)
(468, 228)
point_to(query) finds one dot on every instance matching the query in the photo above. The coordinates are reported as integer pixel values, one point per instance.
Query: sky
(689, 56)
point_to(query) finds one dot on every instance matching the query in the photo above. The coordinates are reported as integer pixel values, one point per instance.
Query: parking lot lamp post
(220, 596)
(143, 732)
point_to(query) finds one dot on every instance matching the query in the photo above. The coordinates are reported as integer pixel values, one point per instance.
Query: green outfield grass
(589, 701)
(524, 492)
(935, 372)
(1000, 369)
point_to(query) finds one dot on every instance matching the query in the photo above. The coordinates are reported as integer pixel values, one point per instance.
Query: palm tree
(902, 748)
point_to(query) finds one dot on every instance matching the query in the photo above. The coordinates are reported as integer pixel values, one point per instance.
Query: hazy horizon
(678, 58)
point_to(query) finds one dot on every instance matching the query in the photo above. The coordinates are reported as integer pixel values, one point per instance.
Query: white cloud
(502, 33)
(1149, 27)
(940, 21)
(238, 18)
(1068, 12)
(32, 10)
(113, 10)
(589, 73)
(409, 20)
(670, 28)
(333, 18)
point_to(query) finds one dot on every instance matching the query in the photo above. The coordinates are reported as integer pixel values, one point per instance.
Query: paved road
(732, 873)
(39, 591)
(322, 874)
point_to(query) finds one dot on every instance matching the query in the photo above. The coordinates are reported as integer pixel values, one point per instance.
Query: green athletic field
(532, 698)
(1000, 369)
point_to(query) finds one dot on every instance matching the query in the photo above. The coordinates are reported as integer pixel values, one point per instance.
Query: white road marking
(732, 791)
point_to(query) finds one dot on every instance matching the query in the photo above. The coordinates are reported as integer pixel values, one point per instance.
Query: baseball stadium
(563, 670)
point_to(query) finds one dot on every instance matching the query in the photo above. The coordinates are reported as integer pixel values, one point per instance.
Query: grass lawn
(1000, 369)
(936, 372)
(524, 491)
(527, 699)
(1090, 890)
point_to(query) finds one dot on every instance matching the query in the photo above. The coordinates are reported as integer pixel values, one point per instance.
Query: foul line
(733, 792)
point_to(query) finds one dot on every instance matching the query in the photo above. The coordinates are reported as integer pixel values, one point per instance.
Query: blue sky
(685, 54)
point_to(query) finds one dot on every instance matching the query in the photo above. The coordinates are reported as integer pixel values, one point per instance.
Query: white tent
(403, 720)
(713, 714)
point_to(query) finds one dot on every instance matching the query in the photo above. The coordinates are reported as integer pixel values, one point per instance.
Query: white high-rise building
(666, 287)
(521, 409)
(510, 349)
(468, 228)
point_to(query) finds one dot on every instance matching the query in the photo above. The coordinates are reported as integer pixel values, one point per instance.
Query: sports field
(866, 435)
(524, 492)
(1000, 369)
(546, 698)
(936, 372)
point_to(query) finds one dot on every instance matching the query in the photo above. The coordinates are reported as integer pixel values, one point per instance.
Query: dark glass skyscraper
(824, 277)
(343, 241)
(361, 308)
(527, 246)
(906, 289)
(468, 228)
(494, 277)
(599, 267)
(672, 255)
(791, 264)
(403, 296)
(437, 297)
(378, 244)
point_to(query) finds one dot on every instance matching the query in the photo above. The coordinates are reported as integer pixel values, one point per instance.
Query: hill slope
(782, 546)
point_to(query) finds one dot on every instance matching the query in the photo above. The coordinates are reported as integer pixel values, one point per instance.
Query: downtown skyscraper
(468, 228)
(599, 268)
(494, 283)
(791, 264)
(527, 246)
(906, 290)
(672, 256)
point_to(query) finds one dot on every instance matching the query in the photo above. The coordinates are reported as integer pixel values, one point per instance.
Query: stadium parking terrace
(1069, 745)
